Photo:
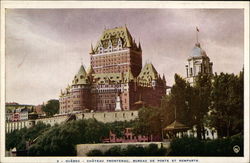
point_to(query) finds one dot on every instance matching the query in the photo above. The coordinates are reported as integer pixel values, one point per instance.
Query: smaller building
(38, 110)
(128, 137)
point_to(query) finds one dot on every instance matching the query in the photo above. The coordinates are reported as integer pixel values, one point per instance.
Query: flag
(197, 29)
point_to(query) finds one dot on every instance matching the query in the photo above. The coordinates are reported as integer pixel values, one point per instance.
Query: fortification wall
(53, 120)
(11, 126)
(104, 117)
(110, 116)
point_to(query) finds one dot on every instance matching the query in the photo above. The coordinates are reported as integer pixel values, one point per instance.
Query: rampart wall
(99, 116)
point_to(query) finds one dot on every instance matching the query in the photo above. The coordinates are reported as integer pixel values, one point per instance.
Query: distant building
(38, 110)
(115, 80)
(17, 112)
(198, 62)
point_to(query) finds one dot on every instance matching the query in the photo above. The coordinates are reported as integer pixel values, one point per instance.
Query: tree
(202, 101)
(178, 104)
(60, 140)
(148, 122)
(51, 108)
(226, 113)
(18, 138)
(188, 104)
(118, 127)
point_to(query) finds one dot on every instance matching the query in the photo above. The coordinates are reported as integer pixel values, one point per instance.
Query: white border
(127, 4)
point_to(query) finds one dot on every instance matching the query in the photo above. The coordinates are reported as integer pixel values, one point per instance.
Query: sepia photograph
(120, 83)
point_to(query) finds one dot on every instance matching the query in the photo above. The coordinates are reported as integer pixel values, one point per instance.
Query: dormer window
(153, 83)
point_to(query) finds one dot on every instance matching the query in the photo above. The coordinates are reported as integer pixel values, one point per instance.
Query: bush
(134, 151)
(194, 147)
(114, 151)
(224, 147)
(186, 147)
(95, 152)
(18, 138)
(131, 150)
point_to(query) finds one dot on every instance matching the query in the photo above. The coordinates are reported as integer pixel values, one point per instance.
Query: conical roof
(148, 72)
(82, 71)
(80, 77)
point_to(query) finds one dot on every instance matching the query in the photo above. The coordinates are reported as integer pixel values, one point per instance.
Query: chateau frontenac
(116, 79)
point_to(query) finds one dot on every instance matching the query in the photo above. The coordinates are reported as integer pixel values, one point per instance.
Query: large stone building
(115, 79)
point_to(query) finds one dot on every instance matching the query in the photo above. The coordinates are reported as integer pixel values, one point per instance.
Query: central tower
(116, 52)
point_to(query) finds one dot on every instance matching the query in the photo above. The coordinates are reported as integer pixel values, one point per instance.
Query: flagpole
(197, 30)
(196, 36)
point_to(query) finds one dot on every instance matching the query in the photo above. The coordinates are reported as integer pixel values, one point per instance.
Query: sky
(45, 47)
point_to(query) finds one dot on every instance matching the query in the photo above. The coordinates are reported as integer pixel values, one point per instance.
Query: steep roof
(114, 35)
(80, 77)
(108, 77)
(148, 73)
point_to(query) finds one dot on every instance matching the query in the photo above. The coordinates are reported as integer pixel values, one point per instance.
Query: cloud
(44, 47)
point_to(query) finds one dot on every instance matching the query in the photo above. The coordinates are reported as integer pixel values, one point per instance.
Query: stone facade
(115, 78)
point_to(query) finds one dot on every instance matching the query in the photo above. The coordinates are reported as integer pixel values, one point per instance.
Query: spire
(139, 45)
(163, 78)
(82, 71)
(134, 44)
(91, 49)
(90, 70)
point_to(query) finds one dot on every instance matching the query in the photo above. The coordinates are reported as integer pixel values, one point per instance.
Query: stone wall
(83, 149)
(110, 116)
(99, 116)
(53, 120)
(11, 126)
